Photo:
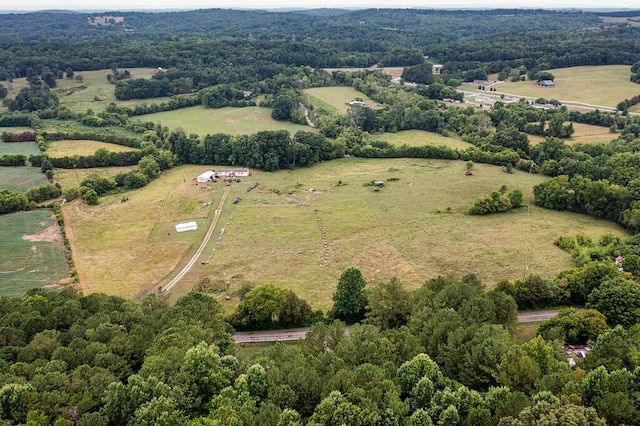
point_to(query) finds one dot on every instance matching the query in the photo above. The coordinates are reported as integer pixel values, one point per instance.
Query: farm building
(233, 172)
(208, 176)
(187, 226)
(546, 83)
(356, 102)
(437, 68)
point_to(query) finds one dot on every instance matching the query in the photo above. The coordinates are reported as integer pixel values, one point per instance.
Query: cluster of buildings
(213, 175)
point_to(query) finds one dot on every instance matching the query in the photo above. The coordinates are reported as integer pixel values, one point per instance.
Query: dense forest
(446, 353)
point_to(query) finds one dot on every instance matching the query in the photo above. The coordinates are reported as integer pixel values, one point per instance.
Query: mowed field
(82, 147)
(24, 148)
(301, 228)
(604, 85)
(31, 252)
(122, 245)
(337, 98)
(584, 133)
(420, 138)
(394, 72)
(236, 121)
(21, 178)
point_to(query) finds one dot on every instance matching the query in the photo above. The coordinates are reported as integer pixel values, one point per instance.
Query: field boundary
(74, 251)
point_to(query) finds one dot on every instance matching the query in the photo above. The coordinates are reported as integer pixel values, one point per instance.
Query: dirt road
(204, 243)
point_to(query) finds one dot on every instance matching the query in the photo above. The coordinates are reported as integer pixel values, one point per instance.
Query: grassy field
(337, 97)
(73, 177)
(414, 228)
(604, 85)
(97, 94)
(526, 331)
(82, 147)
(21, 178)
(237, 121)
(420, 138)
(123, 247)
(24, 148)
(584, 133)
(31, 253)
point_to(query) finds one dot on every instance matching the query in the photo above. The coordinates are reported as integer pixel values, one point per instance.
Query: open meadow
(73, 177)
(394, 72)
(31, 252)
(93, 91)
(337, 98)
(584, 133)
(420, 138)
(24, 148)
(21, 178)
(82, 147)
(604, 85)
(123, 247)
(235, 121)
(301, 228)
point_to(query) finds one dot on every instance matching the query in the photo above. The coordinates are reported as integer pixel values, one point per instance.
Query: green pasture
(337, 97)
(27, 264)
(584, 133)
(73, 177)
(82, 147)
(236, 121)
(16, 129)
(415, 227)
(420, 138)
(24, 148)
(604, 85)
(21, 178)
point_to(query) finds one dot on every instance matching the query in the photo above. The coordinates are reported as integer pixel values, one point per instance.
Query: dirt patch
(51, 234)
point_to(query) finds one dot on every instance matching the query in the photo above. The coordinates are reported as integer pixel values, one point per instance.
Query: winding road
(204, 243)
(301, 333)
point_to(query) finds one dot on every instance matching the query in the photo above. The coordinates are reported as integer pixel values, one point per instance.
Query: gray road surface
(301, 333)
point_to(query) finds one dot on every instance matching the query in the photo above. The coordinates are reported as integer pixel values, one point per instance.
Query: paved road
(301, 333)
(205, 241)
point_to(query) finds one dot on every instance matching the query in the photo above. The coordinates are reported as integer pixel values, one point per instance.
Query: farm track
(301, 333)
(204, 243)
(74, 251)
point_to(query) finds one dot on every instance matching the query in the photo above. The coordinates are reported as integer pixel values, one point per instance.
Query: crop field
(24, 148)
(337, 97)
(236, 121)
(21, 178)
(420, 138)
(73, 177)
(604, 85)
(301, 228)
(82, 147)
(31, 252)
(584, 133)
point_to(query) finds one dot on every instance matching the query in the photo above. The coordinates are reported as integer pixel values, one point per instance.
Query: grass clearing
(337, 97)
(420, 138)
(236, 121)
(82, 147)
(31, 252)
(584, 133)
(394, 72)
(73, 177)
(604, 85)
(21, 178)
(523, 332)
(413, 228)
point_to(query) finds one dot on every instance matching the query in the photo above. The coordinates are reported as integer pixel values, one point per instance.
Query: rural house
(243, 172)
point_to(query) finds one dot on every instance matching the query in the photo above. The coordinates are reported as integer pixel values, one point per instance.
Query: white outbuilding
(208, 176)
(187, 226)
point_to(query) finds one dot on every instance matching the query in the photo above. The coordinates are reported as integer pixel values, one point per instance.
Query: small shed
(208, 176)
(356, 103)
(187, 226)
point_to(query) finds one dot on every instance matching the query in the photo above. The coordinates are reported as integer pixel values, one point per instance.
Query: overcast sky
(200, 4)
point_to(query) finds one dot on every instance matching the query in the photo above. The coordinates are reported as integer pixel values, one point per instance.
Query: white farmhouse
(208, 176)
